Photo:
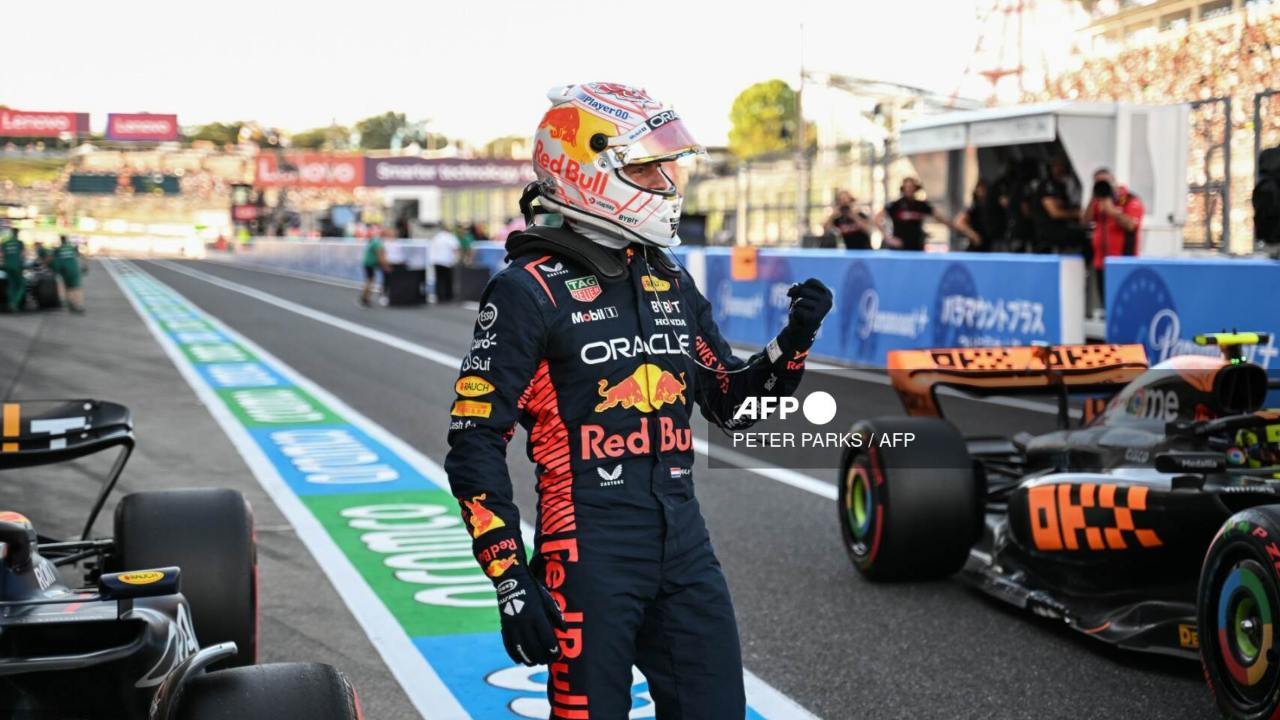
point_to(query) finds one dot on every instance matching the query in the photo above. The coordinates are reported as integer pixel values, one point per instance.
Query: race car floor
(811, 627)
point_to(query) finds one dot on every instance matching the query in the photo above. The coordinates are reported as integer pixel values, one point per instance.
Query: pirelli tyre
(1238, 605)
(909, 510)
(208, 534)
(279, 691)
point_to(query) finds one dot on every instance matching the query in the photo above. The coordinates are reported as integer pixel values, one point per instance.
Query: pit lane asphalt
(842, 647)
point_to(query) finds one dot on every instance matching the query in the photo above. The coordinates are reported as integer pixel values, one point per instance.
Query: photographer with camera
(1116, 216)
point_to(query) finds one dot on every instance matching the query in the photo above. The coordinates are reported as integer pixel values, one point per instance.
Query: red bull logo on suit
(647, 389)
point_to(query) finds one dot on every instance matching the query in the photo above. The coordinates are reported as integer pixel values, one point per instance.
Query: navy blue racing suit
(600, 375)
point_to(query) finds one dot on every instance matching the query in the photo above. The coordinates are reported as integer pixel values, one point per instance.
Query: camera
(1102, 189)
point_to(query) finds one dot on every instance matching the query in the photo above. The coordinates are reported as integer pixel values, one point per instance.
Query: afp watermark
(817, 409)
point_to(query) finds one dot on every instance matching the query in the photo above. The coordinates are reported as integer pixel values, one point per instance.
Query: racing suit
(600, 375)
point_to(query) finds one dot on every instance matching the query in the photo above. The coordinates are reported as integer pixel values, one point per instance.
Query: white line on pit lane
(762, 696)
(795, 479)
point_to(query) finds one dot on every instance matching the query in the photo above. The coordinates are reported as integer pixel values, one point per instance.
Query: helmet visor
(661, 138)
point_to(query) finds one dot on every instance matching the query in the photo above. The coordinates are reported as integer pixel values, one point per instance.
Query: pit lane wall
(339, 259)
(1164, 302)
(891, 301)
(883, 300)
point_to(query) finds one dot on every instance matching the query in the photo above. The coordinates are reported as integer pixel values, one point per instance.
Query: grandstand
(1219, 55)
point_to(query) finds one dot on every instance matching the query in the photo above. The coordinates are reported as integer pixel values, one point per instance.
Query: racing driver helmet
(591, 133)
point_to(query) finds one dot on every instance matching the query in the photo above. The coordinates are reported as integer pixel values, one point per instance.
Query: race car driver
(598, 343)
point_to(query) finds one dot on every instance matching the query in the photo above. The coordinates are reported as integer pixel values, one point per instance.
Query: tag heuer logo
(584, 289)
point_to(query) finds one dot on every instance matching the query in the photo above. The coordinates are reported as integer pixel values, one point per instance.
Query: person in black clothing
(908, 214)
(978, 219)
(602, 347)
(1057, 211)
(1266, 200)
(852, 225)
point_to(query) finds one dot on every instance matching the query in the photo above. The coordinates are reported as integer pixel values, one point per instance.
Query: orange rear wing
(916, 374)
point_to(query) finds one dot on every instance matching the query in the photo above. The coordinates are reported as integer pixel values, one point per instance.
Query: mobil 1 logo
(608, 312)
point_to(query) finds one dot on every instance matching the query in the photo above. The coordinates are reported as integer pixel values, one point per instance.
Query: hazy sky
(478, 69)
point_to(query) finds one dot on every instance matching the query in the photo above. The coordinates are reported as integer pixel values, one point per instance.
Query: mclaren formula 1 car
(159, 622)
(1152, 524)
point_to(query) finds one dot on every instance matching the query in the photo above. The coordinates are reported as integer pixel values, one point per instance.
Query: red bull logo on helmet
(562, 124)
(571, 170)
(647, 389)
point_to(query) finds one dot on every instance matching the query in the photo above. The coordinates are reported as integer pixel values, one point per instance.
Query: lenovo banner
(308, 170)
(142, 127)
(447, 172)
(27, 123)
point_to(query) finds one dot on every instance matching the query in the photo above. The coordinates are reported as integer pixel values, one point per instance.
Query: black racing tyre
(279, 691)
(208, 534)
(46, 291)
(911, 512)
(1238, 607)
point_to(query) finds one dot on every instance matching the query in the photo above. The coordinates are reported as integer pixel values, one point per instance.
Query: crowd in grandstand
(1235, 56)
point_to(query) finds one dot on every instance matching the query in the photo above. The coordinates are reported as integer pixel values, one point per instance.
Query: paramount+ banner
(1163, 303)
(141, 127)
(903, 301)
(31, 123)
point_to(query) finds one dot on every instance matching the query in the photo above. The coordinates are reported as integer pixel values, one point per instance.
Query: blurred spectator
(444, 249)
(1056, 211)
(1266, 198)
(908, 214)
(13, 254)
(851, 224)
(1116, 216)
(466, 235)
(66, 262)
(375, 259)
(42, 253)
(514, 225)
(979, 218)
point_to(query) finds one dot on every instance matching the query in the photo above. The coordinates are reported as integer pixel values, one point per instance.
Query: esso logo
(488, 316)
(506, 586)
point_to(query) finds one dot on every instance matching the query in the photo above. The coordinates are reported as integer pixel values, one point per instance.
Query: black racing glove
(530, 618)
(810, 302)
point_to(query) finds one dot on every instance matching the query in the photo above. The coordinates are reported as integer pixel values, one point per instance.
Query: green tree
(763, 120)
(376, 131)
(218, 133)
(331, 137)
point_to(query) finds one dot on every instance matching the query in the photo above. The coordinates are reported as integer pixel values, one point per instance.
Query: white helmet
(590, 133)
